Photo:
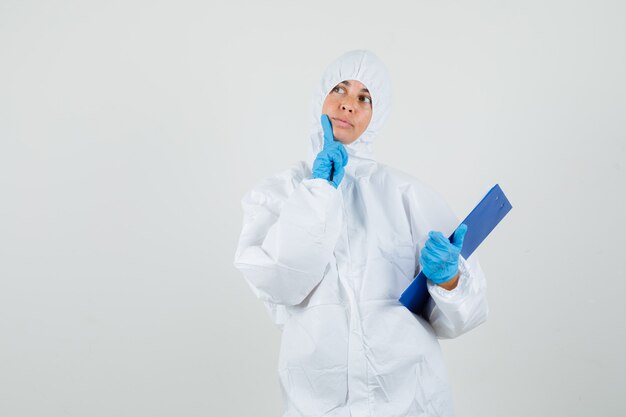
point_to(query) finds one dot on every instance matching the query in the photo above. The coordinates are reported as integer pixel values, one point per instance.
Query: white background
(129, 131)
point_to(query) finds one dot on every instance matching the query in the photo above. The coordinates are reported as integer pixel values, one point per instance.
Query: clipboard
(480, 222)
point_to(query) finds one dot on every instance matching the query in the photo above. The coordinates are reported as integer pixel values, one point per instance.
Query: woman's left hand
(440, 258)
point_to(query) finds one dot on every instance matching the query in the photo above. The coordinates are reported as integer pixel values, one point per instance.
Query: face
(349, 108)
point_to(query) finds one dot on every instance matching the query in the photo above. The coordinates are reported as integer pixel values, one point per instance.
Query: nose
(347, 106)
(348, 103)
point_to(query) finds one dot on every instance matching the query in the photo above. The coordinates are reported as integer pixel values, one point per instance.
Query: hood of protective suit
(363, 66)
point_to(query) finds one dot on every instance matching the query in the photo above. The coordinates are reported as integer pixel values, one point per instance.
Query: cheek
(327, 104)
(364, 121)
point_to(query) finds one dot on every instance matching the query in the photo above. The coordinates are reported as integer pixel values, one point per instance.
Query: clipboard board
(480, 222)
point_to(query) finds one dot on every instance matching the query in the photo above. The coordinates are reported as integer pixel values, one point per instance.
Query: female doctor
(330, 245)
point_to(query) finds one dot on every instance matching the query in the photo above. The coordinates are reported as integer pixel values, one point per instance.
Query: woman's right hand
(330, 162)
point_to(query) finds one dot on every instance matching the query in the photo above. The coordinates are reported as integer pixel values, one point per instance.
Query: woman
(330, 245)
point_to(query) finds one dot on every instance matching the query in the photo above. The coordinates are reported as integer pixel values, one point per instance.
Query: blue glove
(440, 258)
(330, 162)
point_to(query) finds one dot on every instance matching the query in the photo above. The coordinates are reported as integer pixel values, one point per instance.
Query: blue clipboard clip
(480, 222)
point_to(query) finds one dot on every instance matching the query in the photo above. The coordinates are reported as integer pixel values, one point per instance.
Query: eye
(337, 88)
(366, 99)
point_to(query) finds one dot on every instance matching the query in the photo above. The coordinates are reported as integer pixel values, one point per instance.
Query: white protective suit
(330, 265)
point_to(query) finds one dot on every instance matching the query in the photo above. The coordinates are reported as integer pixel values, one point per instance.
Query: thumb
(328, 130)
(459, 236)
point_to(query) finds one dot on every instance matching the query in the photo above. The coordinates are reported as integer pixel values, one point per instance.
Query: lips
(342, 122)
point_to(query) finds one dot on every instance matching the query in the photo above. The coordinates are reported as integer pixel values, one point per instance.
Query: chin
(344, 140)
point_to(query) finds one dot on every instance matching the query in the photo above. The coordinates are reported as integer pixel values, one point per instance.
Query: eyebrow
(365, 90)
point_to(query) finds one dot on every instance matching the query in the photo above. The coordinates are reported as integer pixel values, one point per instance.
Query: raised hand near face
(331, 160)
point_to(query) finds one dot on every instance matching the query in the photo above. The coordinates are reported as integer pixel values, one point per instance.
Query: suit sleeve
(454, 312)
(288, 237)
